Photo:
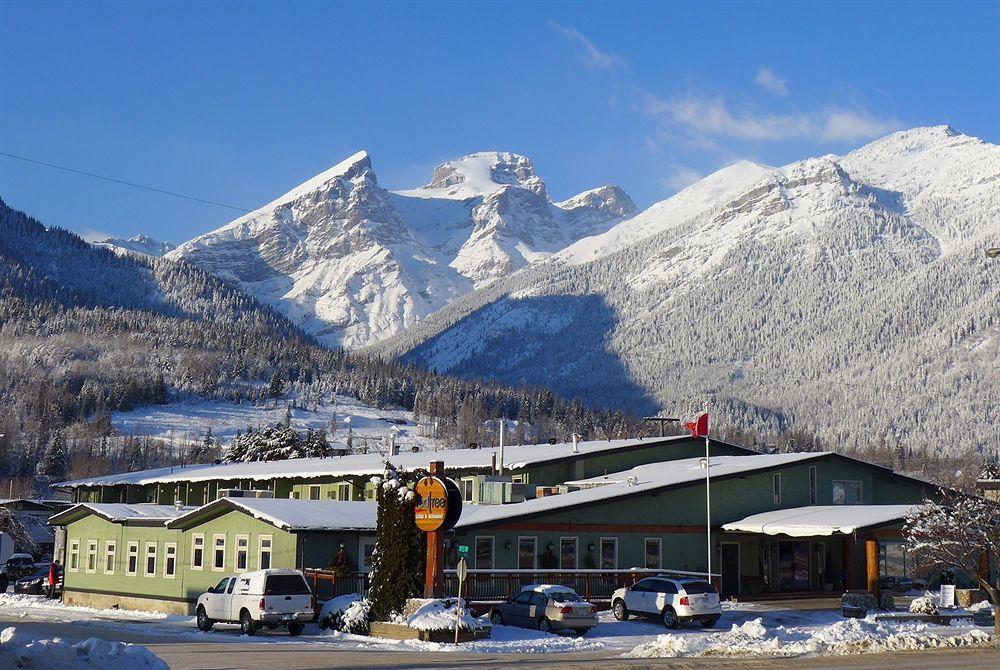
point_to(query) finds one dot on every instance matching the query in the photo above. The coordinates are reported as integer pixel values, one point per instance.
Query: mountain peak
(480, 174)
(140, 244)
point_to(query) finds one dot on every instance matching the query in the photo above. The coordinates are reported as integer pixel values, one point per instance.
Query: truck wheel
(247, 625)
(204, 623)
(496, 617)
(295, 629)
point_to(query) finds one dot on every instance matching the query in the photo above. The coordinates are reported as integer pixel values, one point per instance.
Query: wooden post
(434, 572)
(871, 555)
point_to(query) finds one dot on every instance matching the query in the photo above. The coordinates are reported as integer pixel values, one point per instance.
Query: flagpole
(708, 497)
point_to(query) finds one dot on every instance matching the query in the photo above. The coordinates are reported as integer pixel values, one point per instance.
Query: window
(169, 559)
(219, 552)
(74, 555)
(609, 553)
(892, 559)
(776, 487)
(567, 553)
(517, 479)
(467, 486)
(150, 559)
(813, 488)
(343, 491)
(847, 492)
(652, 553)
(221, 586)
(91, 555)
(242, 550)
(663, 586)
(484, 553)
(367, 553)
(197, 552)
(286, 585)
(523, 598)
(314, 491)
(526, 549)
(132, 565)
(264, 552)
(109, 557)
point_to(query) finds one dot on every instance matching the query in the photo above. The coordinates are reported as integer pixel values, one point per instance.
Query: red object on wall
(698, 427)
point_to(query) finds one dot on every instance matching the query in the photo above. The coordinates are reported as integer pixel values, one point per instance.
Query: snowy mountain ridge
(352, 263)
(139, 244)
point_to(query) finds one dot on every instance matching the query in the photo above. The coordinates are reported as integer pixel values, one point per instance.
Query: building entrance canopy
(820, 520)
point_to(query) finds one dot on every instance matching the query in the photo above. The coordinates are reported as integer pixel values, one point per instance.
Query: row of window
(568, 553)
(315, 492)
(845, 492)
(217, 560)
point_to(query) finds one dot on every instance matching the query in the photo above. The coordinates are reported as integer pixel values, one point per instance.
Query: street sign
(432, 504)
(463, 550)
(462, 571)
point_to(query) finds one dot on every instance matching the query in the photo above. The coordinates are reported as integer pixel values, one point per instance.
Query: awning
(820, 519)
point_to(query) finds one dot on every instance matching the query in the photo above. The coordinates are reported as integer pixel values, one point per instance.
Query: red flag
(698, 427)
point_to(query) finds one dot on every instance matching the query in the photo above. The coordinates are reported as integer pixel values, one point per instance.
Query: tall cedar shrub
(398, 562)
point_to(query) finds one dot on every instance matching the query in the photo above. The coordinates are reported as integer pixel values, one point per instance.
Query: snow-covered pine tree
(398, 560)
(54, 464)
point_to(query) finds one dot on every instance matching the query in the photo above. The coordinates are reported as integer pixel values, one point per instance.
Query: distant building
(34, 516)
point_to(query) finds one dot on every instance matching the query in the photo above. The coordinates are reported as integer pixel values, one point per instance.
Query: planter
(398, 631)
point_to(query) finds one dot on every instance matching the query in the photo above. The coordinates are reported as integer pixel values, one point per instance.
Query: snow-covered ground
(21, 651)
(744, 630)
(185, 422)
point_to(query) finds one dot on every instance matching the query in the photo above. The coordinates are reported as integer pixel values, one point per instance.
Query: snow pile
(24, 605)
(923, 605)
(346, 614)
(17, 651)
(439, 614)
(850, 636)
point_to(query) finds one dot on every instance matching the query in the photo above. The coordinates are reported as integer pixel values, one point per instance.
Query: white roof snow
(120, 512)
(364, 464)
(290, 514)
(820, 519)
(649, 477)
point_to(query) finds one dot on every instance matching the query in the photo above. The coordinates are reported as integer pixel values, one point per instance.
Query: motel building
(595, 516)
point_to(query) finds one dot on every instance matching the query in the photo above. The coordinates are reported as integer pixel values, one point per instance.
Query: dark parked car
(17, 566)
(33, 583)
(547, 608)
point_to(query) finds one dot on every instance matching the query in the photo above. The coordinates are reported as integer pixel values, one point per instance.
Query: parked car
(15, 567)
(547, 608)
(270, 598)
(34, 583)
(672, 600)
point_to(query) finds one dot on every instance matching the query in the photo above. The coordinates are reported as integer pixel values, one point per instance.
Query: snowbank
(18, 651)
(439, 614)
(850, 636)
(23, 604)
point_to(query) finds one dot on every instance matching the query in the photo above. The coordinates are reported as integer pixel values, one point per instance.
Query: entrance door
(793, 566)
(730, 567)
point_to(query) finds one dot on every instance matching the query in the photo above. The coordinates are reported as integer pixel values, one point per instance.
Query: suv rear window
(698, 587)
(286, 585)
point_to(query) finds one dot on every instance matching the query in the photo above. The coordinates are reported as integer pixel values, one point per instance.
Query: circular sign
(432, 504)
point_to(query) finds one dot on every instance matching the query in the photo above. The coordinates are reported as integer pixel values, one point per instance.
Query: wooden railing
(327, 584)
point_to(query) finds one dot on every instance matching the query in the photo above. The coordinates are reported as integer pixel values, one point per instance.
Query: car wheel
(544, 625)
(295, 629)
(710, 622)
(204, 623)
(670, 617)
(247, 625)
(496, 616)
(619, 610)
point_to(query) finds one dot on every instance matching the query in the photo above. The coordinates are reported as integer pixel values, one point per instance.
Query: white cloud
(592, 57)
(681, 177)
(704, 117)
(771, 81)
(94, 235)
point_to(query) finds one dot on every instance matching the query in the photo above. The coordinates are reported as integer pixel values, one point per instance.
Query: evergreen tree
(398, 561)
(54, 464)
(275, 387)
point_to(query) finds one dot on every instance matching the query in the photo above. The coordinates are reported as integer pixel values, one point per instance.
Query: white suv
(269, 598)
(673, 600)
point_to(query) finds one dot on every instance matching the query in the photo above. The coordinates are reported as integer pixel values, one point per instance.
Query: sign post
(462, 571)
(439, 505)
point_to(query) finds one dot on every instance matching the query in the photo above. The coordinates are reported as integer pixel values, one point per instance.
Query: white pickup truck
(269, 598)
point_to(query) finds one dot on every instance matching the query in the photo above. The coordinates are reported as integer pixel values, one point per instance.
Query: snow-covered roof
(120, 512)
(290, 514)
(515, 457)
(648, 478)
(819, 519)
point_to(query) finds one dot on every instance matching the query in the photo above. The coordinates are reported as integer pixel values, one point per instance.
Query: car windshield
(286, 585)
(564, 597)
(698, 587)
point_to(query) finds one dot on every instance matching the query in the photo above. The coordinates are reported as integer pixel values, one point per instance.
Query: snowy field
(185, 422)
(744, 630)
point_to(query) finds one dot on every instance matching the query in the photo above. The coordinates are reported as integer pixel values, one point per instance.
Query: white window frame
(813, 485)
(861, 491)
(92, 546)
(576, 551)
(132, 549)
(345, 488)
(600, 553)
(319, 491)
(167, 546)
(534, 552)
(74, 556)
(364, 567)
(110, 552)
(194, 545)
(659, 552)
(776, 488)
(246, 553)
(493, 551)
(261, 552)
(216, 537)
(145, 559)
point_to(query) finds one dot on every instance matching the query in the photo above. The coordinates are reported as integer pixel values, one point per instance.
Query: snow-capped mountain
(353, 263)
(139, 244)
(847, 295)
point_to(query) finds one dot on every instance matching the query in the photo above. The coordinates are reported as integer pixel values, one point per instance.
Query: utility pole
(708, 497)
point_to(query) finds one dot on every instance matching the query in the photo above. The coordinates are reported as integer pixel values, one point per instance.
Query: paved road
(223, 653)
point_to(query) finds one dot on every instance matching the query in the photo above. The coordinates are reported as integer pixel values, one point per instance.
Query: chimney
(576, 447)
(499, 468)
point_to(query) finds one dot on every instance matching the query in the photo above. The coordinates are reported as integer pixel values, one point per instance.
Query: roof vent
(178, 505)
(631, 480)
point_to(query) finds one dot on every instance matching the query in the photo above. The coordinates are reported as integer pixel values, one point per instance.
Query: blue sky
(237, 102)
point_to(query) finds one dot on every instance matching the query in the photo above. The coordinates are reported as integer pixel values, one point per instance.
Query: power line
(123, 182)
